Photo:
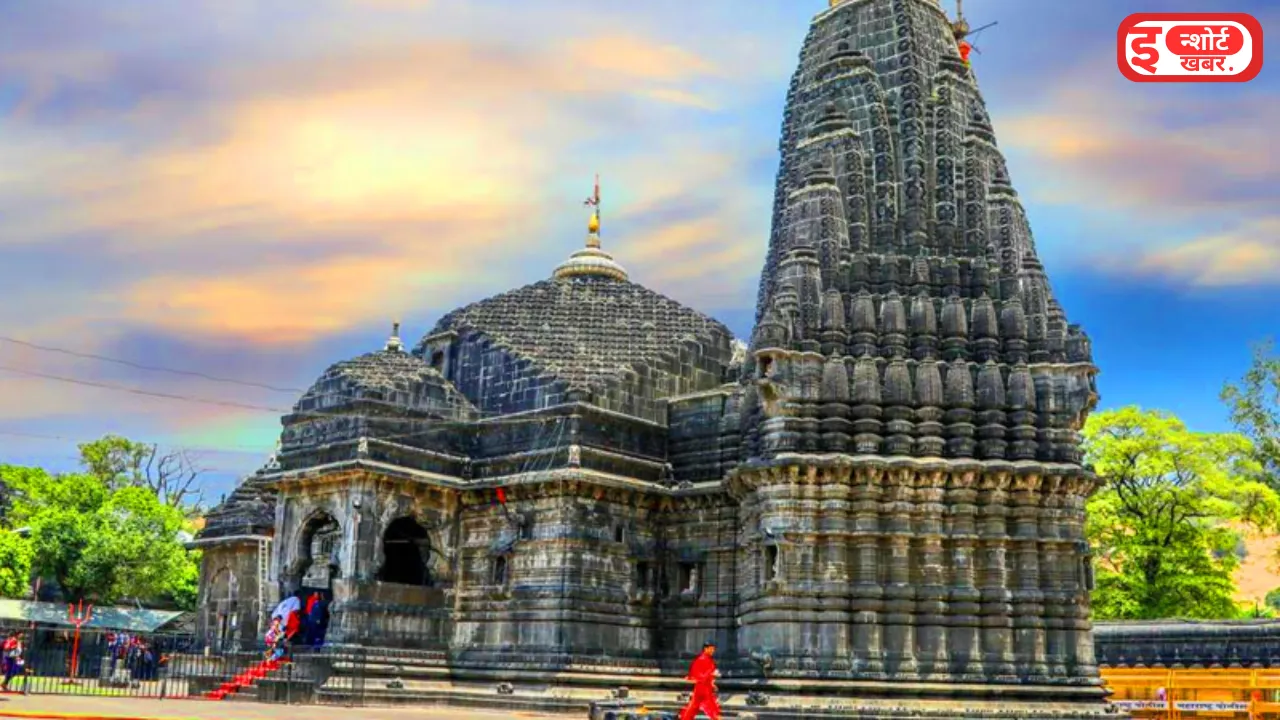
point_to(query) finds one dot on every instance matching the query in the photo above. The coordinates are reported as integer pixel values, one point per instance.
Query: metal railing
(144, 665)
(1187, 692)
(420, 668)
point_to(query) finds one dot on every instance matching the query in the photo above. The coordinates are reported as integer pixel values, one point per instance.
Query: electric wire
(307, 393)
(151, 368)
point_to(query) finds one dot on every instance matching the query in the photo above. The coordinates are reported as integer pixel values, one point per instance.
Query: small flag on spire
(594, 200)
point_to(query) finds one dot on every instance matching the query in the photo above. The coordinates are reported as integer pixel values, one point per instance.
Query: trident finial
(593, 225)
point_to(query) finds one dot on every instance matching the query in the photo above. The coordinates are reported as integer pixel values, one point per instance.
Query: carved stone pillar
(1028, 599)
(963, 635)
(833, 586)
(931, 589)
(900, 606)
(1080, 643)
(997, 620)
(868, 593)
(1056, 600)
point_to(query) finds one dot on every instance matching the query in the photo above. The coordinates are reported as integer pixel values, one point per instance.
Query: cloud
(424, 150)
(1194, 170)
(211, 197)
(632, 56)
(1136, 151)
(1246, 255)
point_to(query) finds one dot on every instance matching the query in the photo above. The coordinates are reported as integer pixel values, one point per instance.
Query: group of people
(134, 653)
(296, 616)
(11, 658)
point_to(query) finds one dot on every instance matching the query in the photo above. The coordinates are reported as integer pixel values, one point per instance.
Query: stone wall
(909, 572)
(554, 574)
(357, 509)
(497, 380)
(705, 434)
(228, 614)
(1188, 644)
(699, 574)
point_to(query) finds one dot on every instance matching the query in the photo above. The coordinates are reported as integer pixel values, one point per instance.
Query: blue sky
(256, 190)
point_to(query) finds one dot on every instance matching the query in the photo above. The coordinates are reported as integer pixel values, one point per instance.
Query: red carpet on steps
(244, 679)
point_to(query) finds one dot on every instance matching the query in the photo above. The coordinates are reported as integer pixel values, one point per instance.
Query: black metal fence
(60, 661)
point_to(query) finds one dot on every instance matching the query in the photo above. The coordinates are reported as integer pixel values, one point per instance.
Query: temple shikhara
(877, 503)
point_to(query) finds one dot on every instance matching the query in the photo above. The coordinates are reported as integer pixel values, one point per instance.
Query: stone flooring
(52, 707)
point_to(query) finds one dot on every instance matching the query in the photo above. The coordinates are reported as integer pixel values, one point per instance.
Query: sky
(255, 190)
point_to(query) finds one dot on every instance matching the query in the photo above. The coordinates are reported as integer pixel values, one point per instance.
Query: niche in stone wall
(689, 581)
(406, 551)
(764, 366)
(498, 575)
(436, 350)
(317, 553)
(644, 576)
(772, 566)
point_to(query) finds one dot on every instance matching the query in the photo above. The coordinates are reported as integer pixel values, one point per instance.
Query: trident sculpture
(77, 615)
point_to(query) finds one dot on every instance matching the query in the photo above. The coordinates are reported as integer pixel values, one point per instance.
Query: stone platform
(400, 678)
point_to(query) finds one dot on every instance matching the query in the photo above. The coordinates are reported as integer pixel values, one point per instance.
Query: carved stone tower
(912, 493)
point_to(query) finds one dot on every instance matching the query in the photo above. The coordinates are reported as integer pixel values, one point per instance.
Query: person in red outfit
(703, 674)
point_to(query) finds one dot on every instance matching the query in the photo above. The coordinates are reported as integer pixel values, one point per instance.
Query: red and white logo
(1189, 47)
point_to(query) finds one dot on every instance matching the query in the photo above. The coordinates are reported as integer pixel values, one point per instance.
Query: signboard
(1210, 706)
(1140, 704)
(1190, 47)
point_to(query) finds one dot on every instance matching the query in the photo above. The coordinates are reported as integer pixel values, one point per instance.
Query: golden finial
(591, 261)
(593, 225)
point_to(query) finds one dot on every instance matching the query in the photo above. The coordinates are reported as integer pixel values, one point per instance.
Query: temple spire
(393, 342)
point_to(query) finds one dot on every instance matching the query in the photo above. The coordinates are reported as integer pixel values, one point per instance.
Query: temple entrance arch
(406, 552)
(318, 549)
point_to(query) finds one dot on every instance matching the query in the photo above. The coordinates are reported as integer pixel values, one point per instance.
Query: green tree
(1163, 525)
(1272, 599)
(119, 462)
(1255, 409)
(99, 543)
(15, 565)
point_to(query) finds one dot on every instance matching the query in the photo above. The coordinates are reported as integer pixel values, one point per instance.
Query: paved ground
(95, 708)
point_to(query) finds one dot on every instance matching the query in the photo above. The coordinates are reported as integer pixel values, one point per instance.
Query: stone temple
(877, 504)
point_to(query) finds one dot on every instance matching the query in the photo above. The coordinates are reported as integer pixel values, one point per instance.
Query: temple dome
(389, 378)
(588, 332)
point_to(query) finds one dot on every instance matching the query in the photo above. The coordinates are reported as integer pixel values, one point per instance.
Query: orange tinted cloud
(636, 57)
(359, 176)
(1244, 256)
(1173, 163)
(429, 151)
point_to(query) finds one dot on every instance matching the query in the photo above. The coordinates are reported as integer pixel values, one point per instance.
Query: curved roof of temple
(389, 381)
(590, 330)
(901, 286)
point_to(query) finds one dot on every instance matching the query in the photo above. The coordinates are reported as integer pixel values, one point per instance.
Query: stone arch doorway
(406, 552)
(319, 543)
